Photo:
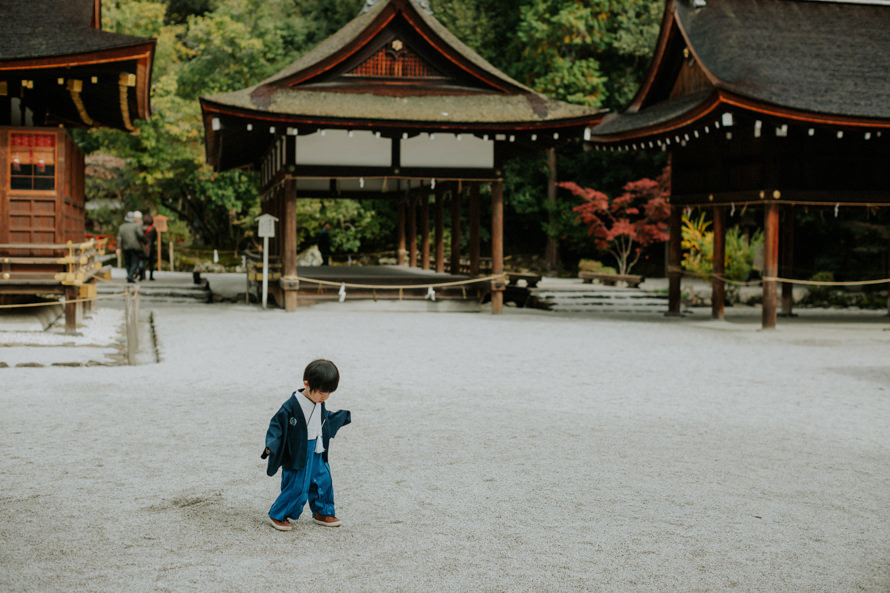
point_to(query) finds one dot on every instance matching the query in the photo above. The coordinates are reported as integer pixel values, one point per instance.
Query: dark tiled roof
(44, 28)
(821, 57)
(660, 113)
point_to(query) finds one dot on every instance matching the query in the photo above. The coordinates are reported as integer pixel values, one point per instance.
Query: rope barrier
(403, 286)
(820, 283)
(736, 282)
(64, 301)
(219, 251)
(788, 281)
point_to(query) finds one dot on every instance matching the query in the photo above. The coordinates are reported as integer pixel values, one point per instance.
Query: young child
(297, 441)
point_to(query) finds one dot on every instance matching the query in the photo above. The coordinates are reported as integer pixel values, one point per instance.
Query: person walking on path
(151, 247)
(324, 244)
(130, 240)
(298, 442)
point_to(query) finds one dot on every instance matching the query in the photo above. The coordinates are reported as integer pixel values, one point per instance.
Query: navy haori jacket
(287, 436)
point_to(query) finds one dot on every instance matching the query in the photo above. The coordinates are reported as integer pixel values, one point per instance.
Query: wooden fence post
(131, 300)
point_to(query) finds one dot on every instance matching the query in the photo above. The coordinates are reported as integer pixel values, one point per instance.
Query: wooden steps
(580, 298)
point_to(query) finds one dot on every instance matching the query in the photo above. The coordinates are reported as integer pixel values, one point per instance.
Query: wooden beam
(718, 284)
(770, 264)
(497, 246)
(675, 271)
(785, 196)
(393, 172)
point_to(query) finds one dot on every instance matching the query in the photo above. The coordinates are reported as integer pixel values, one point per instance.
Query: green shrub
(698, 245)
(590, 265)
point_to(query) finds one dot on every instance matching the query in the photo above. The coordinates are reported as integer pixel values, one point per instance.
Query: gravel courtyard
(522, 452)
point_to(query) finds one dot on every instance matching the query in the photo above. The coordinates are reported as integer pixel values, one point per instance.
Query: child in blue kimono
(297, 441)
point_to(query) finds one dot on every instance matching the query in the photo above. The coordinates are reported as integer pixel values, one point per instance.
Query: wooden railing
(68, 268)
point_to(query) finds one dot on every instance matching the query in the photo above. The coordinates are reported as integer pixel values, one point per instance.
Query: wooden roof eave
(139, 51)
(705, 109)
(722, 100)
(142, 53)
(211, 109)
(803, 117)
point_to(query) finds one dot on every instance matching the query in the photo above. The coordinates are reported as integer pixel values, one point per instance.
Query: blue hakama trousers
(312, 484)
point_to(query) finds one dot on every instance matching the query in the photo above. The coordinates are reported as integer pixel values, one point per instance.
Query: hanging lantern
(41, 166)
(16, 164)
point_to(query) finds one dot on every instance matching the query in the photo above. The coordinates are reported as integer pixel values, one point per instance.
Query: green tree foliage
(354, 226)
(594, 53)
(698, 249)
(588, 52)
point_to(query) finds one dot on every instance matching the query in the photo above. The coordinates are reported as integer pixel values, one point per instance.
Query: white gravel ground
(522, 452)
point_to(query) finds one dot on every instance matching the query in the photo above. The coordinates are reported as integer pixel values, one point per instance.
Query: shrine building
(768, 104)
(392, 105)
(58, 70)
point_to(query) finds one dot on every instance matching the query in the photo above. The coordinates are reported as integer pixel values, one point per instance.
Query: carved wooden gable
(395, 60)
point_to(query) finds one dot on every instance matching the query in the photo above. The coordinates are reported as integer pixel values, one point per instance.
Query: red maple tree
(625, 224)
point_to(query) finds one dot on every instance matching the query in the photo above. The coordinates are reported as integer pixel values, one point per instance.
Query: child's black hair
(322, 375)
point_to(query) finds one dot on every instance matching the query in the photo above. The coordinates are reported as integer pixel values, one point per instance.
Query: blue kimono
(305, 474)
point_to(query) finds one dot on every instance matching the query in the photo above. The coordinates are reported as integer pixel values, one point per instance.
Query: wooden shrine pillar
(71, 309)
(455, 229)
(401, 254)
(424, 229)
(675, 271)
(412, 228)
(787, 250)
(290, 285)
(770, 264)
(440, 229)
(718, 282)
(497, 246)
(474, 230)
(551, 255)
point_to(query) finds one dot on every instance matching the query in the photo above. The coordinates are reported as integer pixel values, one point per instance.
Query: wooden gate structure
(767, 103)
(391, 105)
(58, 69)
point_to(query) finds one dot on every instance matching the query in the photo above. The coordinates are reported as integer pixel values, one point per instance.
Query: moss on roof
(475, 108)
(47, 28)
(830, 58)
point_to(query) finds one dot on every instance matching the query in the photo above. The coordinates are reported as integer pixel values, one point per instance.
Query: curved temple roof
(817, 62)
(392, 69)
(54, 56)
